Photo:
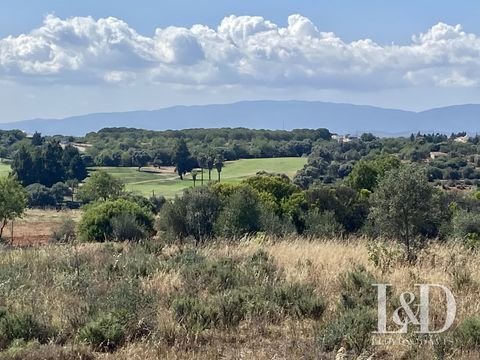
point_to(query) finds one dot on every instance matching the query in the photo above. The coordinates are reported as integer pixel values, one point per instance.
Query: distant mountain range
(340, 118)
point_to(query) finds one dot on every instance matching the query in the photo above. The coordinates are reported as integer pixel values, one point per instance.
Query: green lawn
(169, 184)
(4, 169)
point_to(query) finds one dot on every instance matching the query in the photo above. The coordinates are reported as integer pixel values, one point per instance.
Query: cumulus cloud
(242, 50)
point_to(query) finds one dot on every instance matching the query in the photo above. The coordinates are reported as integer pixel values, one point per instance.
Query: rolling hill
(340, 118)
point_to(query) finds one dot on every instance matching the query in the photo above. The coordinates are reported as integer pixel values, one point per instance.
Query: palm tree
(210, 165)
(202, 161)
(219, 165)
(194, 177)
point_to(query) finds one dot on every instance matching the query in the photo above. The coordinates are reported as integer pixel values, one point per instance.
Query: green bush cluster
(115, 220)
(21, 326)
(238, 290)
(356, 314)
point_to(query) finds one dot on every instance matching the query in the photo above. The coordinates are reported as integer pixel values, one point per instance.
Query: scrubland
(252, 298)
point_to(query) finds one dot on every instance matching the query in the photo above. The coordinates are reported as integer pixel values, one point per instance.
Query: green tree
(101, 186)
(76, 169)
(181, 157)
(241, 214)
(39, 196)
(402, 203)
(192, 214)
(53, 170)
(13, 201)
(22, 166)
(367, 173)
(140, 158)
(37, 139)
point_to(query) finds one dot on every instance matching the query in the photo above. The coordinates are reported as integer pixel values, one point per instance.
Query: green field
(4, 169)
(168, 184)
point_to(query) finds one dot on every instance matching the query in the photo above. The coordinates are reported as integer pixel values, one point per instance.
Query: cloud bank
(242, 50)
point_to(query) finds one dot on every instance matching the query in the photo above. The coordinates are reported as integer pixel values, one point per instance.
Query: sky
(60, 58)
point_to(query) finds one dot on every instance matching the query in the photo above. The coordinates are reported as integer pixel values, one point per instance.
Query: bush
(157, 203)
(238, 290)
(298, 301)
(353, 328)
(21, 326)
(65, 232)
(194, 314)
(322, 224)
(125, 227)
(467, 335)
(39, 195)
(357, 289)
(105, 333)
(241, 214)
(194, 214)
(273, 224)
(96, 223)
(466, 225)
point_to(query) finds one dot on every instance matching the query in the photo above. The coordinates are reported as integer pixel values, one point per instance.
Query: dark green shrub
(298, 301)
(96, 222)
(260, 268)
(358, 289)
(322, 224)
(466, 226)
(232, 307)
(241, 214)
(194, 314)
(467, 335)
(65, 232)
(193, 214)
(105, 333)
(21, 326)
(39, 195)
(157, 203)
(237, 290)
(125, 227)
(353, 328)
(273, 224)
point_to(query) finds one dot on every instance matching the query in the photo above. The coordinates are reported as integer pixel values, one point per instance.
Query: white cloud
(243, 50)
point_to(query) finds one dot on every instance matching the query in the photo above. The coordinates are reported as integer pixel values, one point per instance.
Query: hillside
(341, 118)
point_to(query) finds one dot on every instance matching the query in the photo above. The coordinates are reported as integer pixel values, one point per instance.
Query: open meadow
(165, 181)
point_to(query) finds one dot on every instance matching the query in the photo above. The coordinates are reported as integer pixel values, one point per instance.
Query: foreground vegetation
(255, 298)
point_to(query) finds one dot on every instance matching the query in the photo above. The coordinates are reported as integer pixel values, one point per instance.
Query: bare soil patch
(36, 226)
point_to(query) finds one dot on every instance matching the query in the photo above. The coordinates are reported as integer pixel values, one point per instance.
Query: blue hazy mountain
(340, 118)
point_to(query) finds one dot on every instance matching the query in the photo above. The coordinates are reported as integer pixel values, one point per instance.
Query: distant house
(343, 138)
(437, 155)
(462, 139)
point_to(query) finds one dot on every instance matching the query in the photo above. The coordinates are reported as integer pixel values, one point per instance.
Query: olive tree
(13, 201)
(101, 186)
(402, 203)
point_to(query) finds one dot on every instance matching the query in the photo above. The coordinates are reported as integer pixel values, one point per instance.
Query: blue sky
(137, 62)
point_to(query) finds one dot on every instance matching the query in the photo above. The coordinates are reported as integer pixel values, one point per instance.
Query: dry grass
(322, 263)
